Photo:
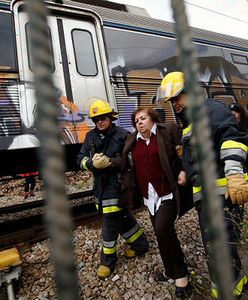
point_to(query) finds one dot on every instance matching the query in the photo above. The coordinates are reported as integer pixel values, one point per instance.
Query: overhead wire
(216, 12)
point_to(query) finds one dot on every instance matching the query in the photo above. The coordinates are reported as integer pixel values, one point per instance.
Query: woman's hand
(182, 178)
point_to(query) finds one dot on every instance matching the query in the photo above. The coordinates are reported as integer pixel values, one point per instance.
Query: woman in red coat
(151, 167)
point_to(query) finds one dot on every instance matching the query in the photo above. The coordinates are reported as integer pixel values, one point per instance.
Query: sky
(237, 10)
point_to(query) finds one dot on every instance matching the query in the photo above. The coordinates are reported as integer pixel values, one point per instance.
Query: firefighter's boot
(103, 272)
(130, 253)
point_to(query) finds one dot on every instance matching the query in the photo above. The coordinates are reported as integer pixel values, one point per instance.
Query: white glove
(100, 161)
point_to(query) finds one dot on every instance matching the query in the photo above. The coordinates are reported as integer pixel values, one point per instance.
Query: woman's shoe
(184, 292)
(162, 278)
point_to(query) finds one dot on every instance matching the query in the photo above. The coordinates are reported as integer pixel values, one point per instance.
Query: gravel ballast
(132, 278)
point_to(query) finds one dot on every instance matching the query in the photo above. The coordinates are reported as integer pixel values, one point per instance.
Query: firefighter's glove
(237, 188)
(100, 161)
(179, 150)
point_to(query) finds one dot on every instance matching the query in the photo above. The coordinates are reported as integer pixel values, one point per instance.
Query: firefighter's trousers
(231, 216)
(123, 223)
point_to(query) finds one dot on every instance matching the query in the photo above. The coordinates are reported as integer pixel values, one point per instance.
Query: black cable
(216, 12)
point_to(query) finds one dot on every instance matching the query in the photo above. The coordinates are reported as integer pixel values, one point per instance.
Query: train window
(235, 66)
(243, 93)
(239, 59)
(129, 51)
(84, 52)
(8, 60)
(30, 58)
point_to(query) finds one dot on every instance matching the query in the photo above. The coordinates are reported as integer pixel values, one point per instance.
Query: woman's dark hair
(149, 110)
(243, 124)
(235, 107)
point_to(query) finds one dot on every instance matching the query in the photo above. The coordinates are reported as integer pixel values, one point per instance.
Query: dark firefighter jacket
(230, 146)
(107, 181)
(167, 139)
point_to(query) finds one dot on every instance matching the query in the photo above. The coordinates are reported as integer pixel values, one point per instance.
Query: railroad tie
(10, 269)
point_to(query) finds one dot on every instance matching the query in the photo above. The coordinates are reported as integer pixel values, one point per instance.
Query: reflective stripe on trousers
(120, 223)
(108, 205)
(237, 289)
(111, 247)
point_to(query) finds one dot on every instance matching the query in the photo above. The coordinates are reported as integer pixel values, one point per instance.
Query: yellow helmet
(171, 86)
(100, 107)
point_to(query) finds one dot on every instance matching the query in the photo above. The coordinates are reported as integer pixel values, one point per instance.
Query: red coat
(168, 137)
(148, 167)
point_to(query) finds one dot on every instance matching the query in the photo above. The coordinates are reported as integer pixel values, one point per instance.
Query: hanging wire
(51, 155)
(216, 12)
(203, 153)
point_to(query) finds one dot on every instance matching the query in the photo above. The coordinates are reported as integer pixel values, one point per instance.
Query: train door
(79, 71)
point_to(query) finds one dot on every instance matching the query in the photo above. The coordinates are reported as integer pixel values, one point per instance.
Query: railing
(52, 164)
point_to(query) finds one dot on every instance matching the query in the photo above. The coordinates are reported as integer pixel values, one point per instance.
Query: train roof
(117, 15)
(148, 24)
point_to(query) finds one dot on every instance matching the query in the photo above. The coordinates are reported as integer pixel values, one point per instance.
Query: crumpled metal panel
(131, 93)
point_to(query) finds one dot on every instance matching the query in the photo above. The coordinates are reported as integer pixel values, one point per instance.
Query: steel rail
(40, 203)
(33, 228)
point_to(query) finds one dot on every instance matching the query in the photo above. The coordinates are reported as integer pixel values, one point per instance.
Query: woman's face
(143, 123)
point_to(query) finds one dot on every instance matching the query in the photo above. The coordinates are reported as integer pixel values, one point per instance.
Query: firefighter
(230, 148)
(101, 154)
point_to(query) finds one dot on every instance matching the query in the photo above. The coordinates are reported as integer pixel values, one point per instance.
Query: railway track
(39, 203)
(33, 228)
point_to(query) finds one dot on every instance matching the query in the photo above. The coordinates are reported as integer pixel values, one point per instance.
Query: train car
(100, 50)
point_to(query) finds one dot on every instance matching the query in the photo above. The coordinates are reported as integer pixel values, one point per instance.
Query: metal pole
(203, 152)
(51, 155)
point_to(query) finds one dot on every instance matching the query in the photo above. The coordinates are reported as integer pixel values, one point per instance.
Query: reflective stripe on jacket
(106, 181)
(230, 146)
(221, 188)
